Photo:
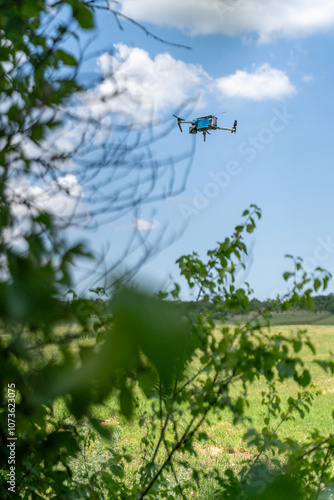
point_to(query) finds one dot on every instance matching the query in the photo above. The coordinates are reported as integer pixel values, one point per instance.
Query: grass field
(225, 446)
(296, 317)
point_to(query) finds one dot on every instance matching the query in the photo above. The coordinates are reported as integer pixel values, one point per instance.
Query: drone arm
(179, 122)
(233, 130)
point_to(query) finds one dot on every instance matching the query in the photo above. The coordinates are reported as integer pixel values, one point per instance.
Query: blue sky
(269, 65)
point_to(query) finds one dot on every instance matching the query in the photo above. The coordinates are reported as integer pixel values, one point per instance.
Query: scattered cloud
(60, 197)
(268, 19)
(120, 228)
(307, 78)
(264, 82)
(134, 82)
(139, 87)
(145, 225)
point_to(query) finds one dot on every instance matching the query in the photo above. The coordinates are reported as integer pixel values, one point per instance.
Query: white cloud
(68, 184)
(135, 83)
(307, 78)
(264, 82)
(267, 18)
(146, 86)
(145, 225)
(60, 197)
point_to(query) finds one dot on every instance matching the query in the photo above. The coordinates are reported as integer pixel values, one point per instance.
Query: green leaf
(117, 470)
(43, 218)
(202, 436)
(84, 16)
(309, 303)
(31, 9)
(101, 429)
(195, 474)
(66, 58)
(153, 327)
(310, 346)
(126, 401)
(297, 345)
(37, 132)
(305, 379)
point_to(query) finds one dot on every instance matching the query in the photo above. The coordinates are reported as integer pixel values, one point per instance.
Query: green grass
(226, 447)
(296, 317)
(302, 318)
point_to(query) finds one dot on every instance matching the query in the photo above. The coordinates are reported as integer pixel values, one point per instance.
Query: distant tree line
(321, 303)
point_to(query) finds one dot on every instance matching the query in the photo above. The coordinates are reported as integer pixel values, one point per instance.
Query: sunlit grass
(225, 447)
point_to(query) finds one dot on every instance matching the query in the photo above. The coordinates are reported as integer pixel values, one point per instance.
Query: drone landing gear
(204, 134)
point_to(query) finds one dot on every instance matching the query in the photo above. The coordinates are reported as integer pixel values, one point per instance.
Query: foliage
(321, 303)
(231, 364)
(144, 345)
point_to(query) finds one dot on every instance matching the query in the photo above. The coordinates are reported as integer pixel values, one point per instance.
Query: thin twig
(147, 32)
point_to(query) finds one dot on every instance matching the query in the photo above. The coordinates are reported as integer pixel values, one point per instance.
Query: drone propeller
(179, 120)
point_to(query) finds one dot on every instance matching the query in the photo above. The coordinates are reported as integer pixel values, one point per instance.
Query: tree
(42, 93)
(145, 343)
(65, 151)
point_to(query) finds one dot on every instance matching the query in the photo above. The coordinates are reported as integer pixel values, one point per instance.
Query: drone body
(204, 124)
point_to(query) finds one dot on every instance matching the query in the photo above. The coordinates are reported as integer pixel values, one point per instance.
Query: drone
(204, 124)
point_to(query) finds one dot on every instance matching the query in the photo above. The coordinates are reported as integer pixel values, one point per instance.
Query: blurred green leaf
(153, 327)
(84, 16)
(66, 58)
